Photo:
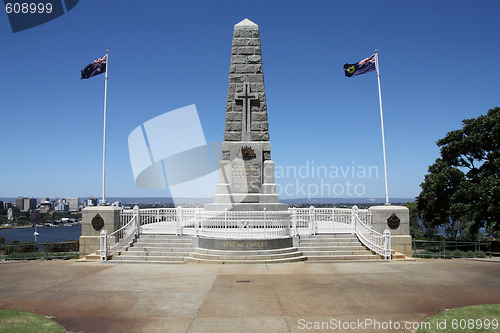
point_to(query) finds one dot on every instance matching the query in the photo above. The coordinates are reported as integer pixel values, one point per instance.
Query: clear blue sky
(438, 64)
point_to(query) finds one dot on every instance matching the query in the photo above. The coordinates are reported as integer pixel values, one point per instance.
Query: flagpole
(103, 201)
(382, 125)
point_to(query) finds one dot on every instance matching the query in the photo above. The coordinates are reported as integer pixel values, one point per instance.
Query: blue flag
(95, 68)
(362, 67)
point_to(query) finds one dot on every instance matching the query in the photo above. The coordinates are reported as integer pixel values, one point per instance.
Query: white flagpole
(103, 201)
(382, 124)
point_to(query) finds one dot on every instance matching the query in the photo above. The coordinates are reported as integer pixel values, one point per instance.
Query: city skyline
(435, 72)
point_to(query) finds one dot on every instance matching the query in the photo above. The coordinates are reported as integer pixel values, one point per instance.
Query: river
(46, 234)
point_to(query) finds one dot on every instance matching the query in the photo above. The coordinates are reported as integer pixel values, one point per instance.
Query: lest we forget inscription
(244, 244)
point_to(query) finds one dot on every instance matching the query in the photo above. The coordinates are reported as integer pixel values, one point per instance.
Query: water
(46, 234)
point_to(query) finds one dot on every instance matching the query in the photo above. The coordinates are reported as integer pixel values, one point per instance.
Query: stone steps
(147, 257)
(165, 241)
(162, 236)
(332, 253)
(157, 248)
(343, 257)
(153, 238)
(331, 244)
(328, 239)
(247, 252)
(160, 243)
(246, 261)
(356, 247)
(340, 247)
(158, 253)
(319, 238)
(179, 249)
(265, 255)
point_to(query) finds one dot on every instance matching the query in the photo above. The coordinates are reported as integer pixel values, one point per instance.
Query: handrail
(375, 241)
(115, 241)
(247, 224)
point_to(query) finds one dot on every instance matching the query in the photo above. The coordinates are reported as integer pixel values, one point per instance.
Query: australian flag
(362, 67)
(95, 68)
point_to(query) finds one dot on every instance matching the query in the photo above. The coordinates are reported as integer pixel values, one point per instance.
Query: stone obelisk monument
(246, 172)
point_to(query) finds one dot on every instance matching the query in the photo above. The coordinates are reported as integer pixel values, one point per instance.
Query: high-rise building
(74, 204)
(62, 206)
(25, 204)
(29, 204)
(90, 202)
(20, 203)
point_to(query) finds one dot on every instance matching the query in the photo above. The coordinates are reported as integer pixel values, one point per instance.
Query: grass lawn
(477, 319)
(18, 321)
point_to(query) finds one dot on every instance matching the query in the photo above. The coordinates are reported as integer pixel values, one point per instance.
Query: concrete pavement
(294, 297)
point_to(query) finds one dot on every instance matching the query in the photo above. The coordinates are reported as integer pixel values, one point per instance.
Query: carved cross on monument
(247, 99)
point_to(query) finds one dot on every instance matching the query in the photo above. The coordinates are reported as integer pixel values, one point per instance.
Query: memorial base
(88, 245)
(402, 244)
(242, 244)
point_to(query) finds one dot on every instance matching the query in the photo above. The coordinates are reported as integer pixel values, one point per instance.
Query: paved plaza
(294, 297)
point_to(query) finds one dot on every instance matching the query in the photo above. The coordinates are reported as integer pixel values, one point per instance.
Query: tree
(461, 192)
(416, 229)
(34, 217)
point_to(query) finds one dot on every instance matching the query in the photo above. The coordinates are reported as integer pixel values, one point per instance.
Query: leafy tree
(34, 217)
(416, 229)
(461, 192)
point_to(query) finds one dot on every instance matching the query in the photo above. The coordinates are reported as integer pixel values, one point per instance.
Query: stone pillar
(397, 220)
(246, 171)
(246, 109)
(89, 240)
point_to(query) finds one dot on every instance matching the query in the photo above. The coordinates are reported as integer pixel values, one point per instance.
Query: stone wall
(246, 68)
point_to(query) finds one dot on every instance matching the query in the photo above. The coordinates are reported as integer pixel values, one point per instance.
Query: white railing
(174, 221)
(247, 224)
(313, 221)
(158, 221)
(244, 224)
(112, 243)
(378, 243)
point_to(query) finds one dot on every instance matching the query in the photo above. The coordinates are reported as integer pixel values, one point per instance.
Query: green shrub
(61, 247)
(450, 254)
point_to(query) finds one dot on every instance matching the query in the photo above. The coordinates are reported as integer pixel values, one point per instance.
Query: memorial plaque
(97, 222)
(393, 221)
(246, 177)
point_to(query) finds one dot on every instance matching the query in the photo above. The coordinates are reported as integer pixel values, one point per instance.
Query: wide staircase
(245, 257)
(179, 249)
(338, 247)
(157, 248)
